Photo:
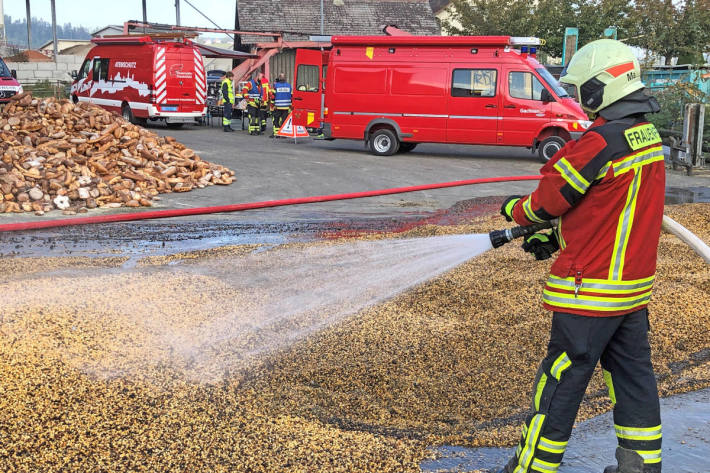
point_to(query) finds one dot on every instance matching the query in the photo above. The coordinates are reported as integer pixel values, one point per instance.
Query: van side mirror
(546, 96)
(13, 73)
(74, 75)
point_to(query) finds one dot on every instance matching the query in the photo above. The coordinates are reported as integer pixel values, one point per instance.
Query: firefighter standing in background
(282, 102)
(265, 97)
(607, 189)
(227, 92)
(252, 92)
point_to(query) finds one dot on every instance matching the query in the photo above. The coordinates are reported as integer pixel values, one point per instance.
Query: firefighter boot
(227, 128)
(628, 462)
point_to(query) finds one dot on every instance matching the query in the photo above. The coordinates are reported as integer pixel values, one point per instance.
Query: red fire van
(8, 83)
(144, 78)
(397, 91)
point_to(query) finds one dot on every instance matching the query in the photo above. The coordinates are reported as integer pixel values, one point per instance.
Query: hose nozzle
(501, 237)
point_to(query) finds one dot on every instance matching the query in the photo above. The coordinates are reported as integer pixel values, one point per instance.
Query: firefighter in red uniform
(265, 101)
(607, 191)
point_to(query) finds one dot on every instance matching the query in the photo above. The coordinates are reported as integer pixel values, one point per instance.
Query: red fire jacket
(607, 189)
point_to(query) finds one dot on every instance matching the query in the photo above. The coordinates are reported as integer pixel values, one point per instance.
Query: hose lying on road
(687, 237)
(146, 215)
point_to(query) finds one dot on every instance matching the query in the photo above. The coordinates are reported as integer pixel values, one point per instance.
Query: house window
(524, 85)
(474, 83)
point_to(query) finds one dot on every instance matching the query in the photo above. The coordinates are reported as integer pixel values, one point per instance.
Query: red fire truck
(397, 91)
(8, 83)
(152, 77)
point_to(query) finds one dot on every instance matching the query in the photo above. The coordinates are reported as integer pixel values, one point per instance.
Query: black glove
(542, 245)
(506, 209)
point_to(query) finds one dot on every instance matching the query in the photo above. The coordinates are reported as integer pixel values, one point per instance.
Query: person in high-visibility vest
(227, 92)
(252, 93)
(265, 96)
(282, 102)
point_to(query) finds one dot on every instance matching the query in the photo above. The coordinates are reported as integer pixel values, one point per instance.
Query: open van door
(308, 91)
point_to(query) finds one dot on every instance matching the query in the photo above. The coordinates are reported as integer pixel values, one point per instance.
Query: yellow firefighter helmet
(603, 72)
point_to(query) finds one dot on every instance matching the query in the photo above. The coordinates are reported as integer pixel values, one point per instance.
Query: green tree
(490, 17)
(671, 28)
(553, 17)
(545, 18)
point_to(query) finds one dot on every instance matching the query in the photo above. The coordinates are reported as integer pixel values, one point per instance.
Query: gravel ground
(85, 388)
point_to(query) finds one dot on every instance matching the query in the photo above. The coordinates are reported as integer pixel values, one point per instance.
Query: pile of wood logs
(55, 154)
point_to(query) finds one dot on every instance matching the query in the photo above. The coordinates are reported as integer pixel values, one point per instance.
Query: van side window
(474, 83)
(84, 70)
(524, 85)
(307, 78)
(100, 69)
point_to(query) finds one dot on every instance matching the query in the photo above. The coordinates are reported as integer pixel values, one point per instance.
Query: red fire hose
(152, 214)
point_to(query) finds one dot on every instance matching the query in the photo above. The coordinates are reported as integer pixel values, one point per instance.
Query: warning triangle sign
(290, 131)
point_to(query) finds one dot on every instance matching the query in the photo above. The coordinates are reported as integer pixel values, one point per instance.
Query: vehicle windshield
(552, 82)
(4, 71)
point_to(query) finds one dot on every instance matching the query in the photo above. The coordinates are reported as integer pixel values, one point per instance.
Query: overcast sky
(95, 14)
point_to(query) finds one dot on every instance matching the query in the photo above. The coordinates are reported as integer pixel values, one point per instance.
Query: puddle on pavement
(686, 443)
(687, 195)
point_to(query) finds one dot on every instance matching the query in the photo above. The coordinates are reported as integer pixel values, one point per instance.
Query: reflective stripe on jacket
(228, 94)
(282, 94)
(607, 189)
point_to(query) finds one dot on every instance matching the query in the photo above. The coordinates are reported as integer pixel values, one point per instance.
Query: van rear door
(524, 112)
(183, 73)
(473, 104)
(308, 91)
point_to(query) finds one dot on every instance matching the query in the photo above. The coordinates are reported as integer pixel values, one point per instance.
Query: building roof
(29, 56)
(78, 50)
(438, 5)
(354, 17)
(64, 43)
(108, 29)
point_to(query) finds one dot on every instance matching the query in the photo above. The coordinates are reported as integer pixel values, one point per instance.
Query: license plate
(169, 108)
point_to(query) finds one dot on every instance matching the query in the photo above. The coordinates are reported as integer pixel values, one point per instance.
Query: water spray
(501, 237)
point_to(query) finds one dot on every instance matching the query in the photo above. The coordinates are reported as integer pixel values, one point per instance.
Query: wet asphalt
(686, 443)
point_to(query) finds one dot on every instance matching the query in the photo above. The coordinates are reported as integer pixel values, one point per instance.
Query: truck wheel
(384, 142)
(549, 146)
(127, 114)
(406, 147)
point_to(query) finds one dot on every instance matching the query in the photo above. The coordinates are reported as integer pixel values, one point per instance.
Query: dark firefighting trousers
(576, 344)
(253, 112)
(227, 114)
(279, 117)
(263, 114)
